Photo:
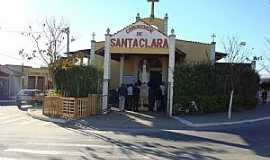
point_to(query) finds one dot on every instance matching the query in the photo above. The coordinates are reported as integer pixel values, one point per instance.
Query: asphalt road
(24, 138)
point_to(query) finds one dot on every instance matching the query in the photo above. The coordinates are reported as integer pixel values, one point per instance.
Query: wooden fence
(72, 108)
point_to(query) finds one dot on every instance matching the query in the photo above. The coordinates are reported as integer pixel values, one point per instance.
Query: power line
(10, 56)
(22, 59)
(17, 31)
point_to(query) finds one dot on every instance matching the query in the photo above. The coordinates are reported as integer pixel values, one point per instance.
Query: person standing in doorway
(130, 102)
(122, 92)
(136, 93)
(264, 96)
(151, 97)
(163, 96)
(158, 96)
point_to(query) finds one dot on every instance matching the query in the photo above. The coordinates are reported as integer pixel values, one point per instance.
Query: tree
(48, 43)
(265, 64)
(236, 50)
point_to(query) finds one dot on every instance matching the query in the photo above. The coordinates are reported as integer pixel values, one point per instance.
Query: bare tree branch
(236, 50)
(266, 63)
(48, 43)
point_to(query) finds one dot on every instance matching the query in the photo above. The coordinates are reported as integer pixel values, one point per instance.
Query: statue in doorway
(144, 75)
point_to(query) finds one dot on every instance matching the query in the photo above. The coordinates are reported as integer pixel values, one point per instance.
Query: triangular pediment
(140, 26)
(139, 37)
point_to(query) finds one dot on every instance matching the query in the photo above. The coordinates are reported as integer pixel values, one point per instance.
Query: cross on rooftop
(213, 37)
(153, 7)
(93, 36)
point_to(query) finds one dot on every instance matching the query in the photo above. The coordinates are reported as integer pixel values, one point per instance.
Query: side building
(13, 78)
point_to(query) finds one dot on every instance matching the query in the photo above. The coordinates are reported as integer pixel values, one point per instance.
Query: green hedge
(214, 104)
(78, 81)
(210, 86)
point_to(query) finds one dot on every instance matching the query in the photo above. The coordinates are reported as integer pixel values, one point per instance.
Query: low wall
(72, 108)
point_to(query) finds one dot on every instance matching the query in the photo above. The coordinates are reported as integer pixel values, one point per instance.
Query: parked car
(29, 97)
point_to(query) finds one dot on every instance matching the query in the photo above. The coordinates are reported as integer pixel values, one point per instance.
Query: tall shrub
(78, 81)
(210, 86)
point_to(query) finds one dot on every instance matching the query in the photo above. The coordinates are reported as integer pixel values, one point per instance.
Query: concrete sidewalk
(115, 120)
(132, 120)
(149, 120)
(261, 113)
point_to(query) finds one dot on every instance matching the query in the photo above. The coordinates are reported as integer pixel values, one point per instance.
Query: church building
(147, 51)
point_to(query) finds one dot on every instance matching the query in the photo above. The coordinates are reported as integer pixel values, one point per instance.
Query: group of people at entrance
(139, 96)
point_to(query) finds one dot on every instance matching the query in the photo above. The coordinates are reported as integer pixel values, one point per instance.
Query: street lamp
(242, 44)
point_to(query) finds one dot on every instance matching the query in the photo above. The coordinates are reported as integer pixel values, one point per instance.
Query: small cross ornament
(213, 37)
(93, 36)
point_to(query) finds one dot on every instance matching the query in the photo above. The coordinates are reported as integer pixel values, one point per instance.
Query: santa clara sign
(139, 43)
(139, 35)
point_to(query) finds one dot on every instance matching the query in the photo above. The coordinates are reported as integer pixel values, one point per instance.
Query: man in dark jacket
(136, 93)
(122, 91)
(158, 96)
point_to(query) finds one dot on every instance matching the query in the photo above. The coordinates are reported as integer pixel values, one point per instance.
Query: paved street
(24, 138)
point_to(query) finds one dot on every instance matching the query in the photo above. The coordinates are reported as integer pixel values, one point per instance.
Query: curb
(54, 120)
(190, 124)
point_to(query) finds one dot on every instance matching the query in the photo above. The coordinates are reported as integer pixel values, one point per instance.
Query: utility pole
(22, 78)
(66, 30)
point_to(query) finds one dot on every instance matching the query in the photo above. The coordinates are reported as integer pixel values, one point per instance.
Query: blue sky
(194, 20)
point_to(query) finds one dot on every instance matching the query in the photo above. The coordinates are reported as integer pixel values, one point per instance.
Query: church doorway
(155, 78)
(150, 69)
(150, 73)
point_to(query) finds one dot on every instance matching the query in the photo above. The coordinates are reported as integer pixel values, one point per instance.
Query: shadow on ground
(156, 149)
(159, 130)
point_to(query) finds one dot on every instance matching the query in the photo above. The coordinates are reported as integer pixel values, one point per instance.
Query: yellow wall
(36, 71)
(99, 45)
(115, 70)
(115, 74)
(129, 66)
(195, 52)
(41, 72)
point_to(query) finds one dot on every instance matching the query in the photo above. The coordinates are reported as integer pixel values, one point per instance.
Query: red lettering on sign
(145, 27)
(159, 43)
(124, 42)
(129, 42)
(154, 43)
(118, 42)
(113, 42)
(165, 44)
(142, 43)
(139, 43)
(135, 43)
